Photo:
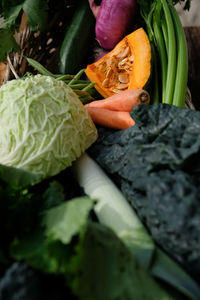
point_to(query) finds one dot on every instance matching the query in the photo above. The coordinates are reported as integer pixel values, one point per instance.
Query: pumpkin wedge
(127, 66)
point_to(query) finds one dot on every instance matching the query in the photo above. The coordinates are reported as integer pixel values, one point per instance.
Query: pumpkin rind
(127, 66)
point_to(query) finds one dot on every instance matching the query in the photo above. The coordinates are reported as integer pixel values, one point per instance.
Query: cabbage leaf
(44, 126)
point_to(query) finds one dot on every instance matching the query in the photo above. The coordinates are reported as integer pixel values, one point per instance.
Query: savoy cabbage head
(44, 126)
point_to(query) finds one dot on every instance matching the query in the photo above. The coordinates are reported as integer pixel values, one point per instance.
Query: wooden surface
(193, 40)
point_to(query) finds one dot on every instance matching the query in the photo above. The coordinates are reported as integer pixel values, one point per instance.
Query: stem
(64, 77)
(76, 77)
(148, 18)
(37, 66)
(112, 209)
(79, 86)
(182, 60)
(155, 91)
(88, 87)
(160, 43)
(11, 67)
(165, 33)
(84, 97)
(171, 49)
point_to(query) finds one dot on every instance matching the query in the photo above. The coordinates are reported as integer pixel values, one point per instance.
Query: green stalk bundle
(168, 40)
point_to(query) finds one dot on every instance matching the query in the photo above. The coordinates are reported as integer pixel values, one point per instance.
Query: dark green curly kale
(156, 163)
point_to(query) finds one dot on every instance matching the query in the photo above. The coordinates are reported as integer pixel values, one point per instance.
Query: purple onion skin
(113, 20)
(100, 55)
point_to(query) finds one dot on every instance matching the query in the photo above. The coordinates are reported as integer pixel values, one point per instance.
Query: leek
(113, 210)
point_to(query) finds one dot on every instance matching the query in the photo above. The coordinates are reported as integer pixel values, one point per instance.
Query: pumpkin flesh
(127, 66)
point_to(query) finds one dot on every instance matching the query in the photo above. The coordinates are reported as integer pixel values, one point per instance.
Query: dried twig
(188, 100)
(11, 67)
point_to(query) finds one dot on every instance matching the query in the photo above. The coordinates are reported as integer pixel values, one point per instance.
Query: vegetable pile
(108, 211)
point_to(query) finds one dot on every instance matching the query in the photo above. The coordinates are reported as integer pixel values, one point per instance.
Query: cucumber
(77, 41)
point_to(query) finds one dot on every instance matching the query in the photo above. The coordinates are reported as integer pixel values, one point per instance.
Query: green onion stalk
(168, 40)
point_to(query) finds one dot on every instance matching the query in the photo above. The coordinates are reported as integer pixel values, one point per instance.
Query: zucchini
(77, 41)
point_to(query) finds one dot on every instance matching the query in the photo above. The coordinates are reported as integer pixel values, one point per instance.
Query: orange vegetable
(127, 66)
(110, 118)
(123, 101)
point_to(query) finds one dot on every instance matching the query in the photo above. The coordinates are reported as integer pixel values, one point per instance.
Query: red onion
(113, 19)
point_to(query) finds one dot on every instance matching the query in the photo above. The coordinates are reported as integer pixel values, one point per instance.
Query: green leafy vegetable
(36, 12)
(7, 44)
(156, 163)
(48, 247)
(11, 10)
(70, 215)
(107, 269)
(44, 126)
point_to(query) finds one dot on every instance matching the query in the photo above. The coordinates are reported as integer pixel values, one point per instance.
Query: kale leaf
(156, 163)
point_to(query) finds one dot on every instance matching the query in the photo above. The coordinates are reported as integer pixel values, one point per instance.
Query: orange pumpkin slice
(127, 66)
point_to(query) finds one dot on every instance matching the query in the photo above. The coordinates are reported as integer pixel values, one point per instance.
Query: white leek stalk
(111, 208)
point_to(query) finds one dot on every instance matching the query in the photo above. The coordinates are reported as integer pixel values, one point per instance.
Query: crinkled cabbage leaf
(44, 126)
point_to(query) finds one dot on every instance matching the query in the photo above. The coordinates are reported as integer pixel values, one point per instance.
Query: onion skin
(113, 20)
(99, 53)
(94, 8)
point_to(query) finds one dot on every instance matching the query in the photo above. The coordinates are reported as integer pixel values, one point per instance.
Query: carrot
(122, 101)
(110, 118)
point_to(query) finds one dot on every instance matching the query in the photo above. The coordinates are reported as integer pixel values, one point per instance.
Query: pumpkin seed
(123, 78)
(105, 83)
(122, 62)
(124, 53)
(131, 58)
(122, 86)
